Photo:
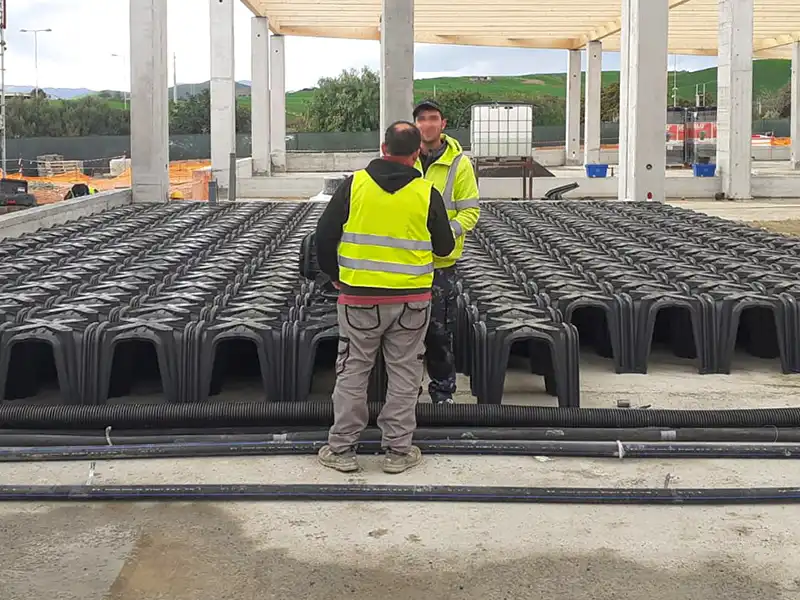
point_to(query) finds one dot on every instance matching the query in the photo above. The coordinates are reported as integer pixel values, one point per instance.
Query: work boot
(397, 462)
(442, 399)
(345, 461)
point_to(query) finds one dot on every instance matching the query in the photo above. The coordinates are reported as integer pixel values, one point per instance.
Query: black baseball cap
(427, 105)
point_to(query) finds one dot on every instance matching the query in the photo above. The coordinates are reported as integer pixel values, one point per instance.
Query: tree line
(39, 116)
(348, 102)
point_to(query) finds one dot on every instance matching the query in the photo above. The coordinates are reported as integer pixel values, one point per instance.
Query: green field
(768, 75)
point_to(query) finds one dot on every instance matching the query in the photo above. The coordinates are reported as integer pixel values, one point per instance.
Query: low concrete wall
(327, 162)
(330, 162)
(677, 188)
(281, 186)
(306, 186)
(775, 186)
(767, 153)
(33, 219)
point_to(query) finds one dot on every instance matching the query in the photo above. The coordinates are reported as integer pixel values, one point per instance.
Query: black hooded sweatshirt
(391, 177)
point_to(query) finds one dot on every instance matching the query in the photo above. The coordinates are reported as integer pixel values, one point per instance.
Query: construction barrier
(53, 188)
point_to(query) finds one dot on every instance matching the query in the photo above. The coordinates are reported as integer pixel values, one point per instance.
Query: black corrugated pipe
(480, 447)
(19, 437)
(321, 413)
(423, 493)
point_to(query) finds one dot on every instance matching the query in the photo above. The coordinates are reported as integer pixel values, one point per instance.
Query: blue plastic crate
(596, 170)
(704, 170)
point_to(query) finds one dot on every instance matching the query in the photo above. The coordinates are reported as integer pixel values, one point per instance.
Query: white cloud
(77, 53)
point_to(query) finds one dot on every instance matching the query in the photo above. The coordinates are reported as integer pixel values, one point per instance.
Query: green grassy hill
(768, 75)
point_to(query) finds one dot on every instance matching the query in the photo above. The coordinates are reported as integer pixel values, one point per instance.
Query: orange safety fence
(52, 189)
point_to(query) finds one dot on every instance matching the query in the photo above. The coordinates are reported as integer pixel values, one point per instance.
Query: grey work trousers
(399, 330)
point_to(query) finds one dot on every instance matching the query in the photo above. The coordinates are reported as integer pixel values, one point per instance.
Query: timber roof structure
(563, 24)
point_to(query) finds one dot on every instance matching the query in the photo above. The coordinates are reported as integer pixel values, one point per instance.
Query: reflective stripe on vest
(385, 242)
(368, 239)
(447, 194)
(450, 182)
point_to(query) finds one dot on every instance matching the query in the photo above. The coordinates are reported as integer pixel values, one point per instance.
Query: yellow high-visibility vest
(385, 242)
(453, 176)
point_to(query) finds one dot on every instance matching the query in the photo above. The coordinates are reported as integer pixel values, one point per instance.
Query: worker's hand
(337, 285)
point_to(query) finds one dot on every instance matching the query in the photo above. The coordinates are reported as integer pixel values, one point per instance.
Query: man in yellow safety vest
(442, 162)
(377, 241)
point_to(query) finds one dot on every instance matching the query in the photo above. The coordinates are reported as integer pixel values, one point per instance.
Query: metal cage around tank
(501, 134)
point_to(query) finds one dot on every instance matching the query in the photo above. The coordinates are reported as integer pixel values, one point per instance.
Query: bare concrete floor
(361, 551)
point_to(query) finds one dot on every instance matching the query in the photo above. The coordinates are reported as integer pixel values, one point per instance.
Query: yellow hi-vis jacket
(385, 242)
(453, 176)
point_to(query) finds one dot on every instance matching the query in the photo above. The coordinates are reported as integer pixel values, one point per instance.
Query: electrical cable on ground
(110, 436)
(383, 493)
(616, 449)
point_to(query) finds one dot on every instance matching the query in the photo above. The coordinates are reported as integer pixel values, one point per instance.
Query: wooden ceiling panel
(564, 24)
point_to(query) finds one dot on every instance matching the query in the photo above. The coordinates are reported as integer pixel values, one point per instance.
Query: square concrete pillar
(223, 90)
(149, 101)
(277, 96)
(795, 114)
(397, 62)
(573, 131)
(259, 96)
(643, 94)
(594, 86)
(735, 97)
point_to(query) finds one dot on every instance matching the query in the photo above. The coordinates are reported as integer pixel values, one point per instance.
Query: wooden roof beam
(349, 33)
(494, 40)
(612, 27)
(776, 42)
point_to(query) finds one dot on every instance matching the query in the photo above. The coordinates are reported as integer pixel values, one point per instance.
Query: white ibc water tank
(501, 130)
(117, 166)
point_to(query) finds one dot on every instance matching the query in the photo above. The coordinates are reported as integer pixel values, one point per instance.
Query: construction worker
(376, 240)
(443, 163)
(80, 189)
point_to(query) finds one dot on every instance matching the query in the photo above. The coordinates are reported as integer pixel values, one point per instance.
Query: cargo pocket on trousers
(342, 354)
(363, 318)
(414, 316)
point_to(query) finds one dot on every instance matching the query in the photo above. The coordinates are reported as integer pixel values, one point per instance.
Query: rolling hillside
(768, 75)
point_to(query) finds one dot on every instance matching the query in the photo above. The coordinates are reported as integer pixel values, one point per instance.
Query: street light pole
(36, 33)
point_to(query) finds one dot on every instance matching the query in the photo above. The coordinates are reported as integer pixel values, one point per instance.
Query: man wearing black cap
(442, 162)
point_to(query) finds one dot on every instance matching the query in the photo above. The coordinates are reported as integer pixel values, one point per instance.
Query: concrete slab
(420, 551)
(251, 550)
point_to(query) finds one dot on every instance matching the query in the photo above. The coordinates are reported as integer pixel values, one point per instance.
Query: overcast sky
(78, 52)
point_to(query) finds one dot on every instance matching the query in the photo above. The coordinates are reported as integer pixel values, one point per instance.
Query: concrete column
(149, 101)
(594, 86)
(259, 95)
(223, 90)
(278, 99)
(735, 97)
(795, 115)
(624, 80)
(643, 107)
(397, 61)
(573, 132)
